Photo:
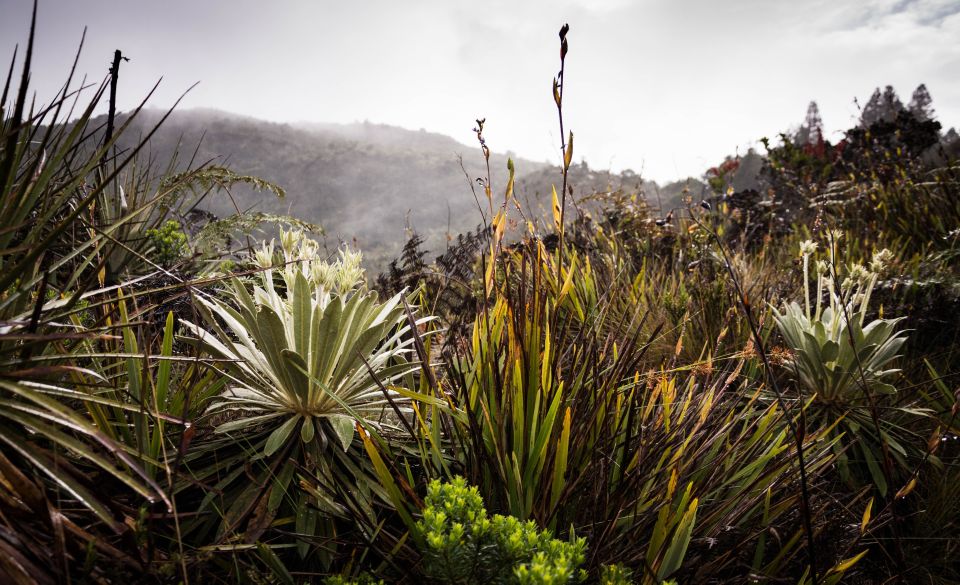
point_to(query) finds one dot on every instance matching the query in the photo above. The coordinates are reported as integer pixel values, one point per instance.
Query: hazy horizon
(664, 88)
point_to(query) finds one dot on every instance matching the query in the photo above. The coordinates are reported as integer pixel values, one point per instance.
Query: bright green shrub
(464, 545)
(169, 243)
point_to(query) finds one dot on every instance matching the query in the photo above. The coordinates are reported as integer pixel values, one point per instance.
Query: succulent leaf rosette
(322, 351)
(842, 360)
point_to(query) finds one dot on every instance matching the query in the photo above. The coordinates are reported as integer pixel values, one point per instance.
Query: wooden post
(112, 113)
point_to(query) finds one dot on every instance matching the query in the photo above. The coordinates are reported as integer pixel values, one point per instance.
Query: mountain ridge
(367, 184)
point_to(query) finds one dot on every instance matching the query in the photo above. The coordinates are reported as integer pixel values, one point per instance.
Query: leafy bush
(169, 243)
(463, 545)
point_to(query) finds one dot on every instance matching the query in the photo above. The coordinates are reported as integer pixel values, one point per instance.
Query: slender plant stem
(559, 84)
(794, 430)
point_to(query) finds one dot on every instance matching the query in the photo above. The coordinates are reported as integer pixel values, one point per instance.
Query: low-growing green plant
(463, 545)
(168, 242)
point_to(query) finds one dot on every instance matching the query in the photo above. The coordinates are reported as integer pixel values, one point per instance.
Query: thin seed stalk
(866, 298)
(819, 295)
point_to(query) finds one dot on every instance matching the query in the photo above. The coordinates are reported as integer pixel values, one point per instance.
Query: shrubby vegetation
(463, 545)
(755, 385)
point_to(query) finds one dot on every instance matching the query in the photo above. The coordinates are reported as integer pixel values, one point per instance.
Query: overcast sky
(665, 87)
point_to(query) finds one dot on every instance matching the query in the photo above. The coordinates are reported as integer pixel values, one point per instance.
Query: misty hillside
(364, 183)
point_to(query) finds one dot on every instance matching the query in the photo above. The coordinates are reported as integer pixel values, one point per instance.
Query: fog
(666, 88)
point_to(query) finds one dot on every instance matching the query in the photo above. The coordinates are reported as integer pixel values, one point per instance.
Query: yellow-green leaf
(556, 210)
(905, 490)
(849, 563)
(568, 155)
(866, 516)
